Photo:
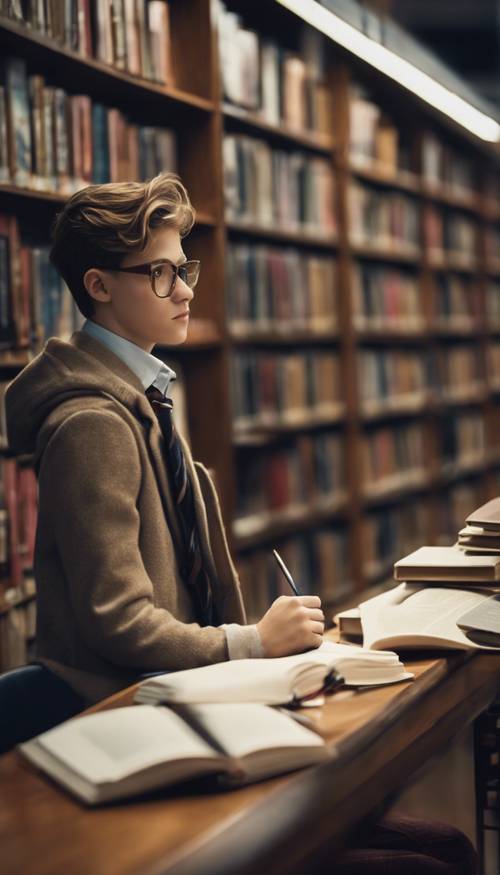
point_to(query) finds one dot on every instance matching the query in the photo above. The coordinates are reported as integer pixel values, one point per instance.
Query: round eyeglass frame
(148, 267)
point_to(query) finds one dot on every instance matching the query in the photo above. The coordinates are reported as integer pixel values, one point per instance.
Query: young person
(132, 567)
(125, 583)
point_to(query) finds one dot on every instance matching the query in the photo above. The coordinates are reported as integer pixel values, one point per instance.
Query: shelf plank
(283, 235)
(91, 74)
(238, 117)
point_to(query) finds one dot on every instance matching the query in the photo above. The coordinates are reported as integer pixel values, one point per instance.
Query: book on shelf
(283, 680)
(391, 379)
(60, 142)
(413, 616)
(393, 455)
(318, 559)
(279, 388)
(234, 743)
(17, 631)
(447, 563)
(386, 298)
(265, 78)
(300, 475)
(386, 220)
(392, 532)
(456, 301)
(461, 439)
(273, 289)
(283, 191)
(131, 35)
(446, 167)
(374, 139)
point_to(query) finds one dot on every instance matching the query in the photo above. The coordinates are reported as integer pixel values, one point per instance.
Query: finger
(316, 640)
(317, 628)
(316, 614)
(310, 601)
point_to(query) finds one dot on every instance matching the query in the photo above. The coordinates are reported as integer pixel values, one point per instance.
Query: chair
(33, 699)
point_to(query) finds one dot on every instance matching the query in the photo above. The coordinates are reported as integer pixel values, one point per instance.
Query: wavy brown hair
(101, 224)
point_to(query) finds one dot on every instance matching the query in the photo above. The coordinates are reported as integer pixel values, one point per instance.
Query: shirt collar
(149, 369)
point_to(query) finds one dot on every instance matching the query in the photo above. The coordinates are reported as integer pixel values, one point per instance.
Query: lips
(184, 315)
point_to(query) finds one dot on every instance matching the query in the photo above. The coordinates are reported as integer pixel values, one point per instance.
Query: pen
(285, 571)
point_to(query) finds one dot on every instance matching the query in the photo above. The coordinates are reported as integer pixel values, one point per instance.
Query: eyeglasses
(163, 274)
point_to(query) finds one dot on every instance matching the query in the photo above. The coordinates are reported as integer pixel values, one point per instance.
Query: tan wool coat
(110, 600)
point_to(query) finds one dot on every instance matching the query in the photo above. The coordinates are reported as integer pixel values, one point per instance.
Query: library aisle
(346, 325)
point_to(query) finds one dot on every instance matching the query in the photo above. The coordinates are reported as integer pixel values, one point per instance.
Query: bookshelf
(346, 324)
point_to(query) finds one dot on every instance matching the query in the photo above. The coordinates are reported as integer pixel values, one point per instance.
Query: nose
(182, 292)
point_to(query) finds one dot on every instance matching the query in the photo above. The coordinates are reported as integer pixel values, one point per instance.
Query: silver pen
(286, 572)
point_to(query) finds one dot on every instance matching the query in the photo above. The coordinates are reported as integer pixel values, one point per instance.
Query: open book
(413, 616)
(278, 681)
(131, 750)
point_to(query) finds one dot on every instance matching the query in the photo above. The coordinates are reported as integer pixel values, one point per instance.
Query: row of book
(132, 35)
(385, 297)
(492, 247)
(450, 232)
(266, 78)
(289, 191)
(461, 439)
(318, 561)
(271, 288)
(301, 474)
(17, 634)
(35, 303)
(272, 388)
(54, 141)
(390, 298)
(383, 219)
(387, 375)
(18, 515)
(391, 532)
(445, 166)
(374, 140)
(393, 456)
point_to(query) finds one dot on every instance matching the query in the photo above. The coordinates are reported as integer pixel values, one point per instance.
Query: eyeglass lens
(163, 277)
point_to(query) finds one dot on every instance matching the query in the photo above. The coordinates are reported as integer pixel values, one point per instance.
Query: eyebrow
(181, 260)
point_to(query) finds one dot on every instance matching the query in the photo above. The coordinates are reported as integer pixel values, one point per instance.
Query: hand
(291, 625)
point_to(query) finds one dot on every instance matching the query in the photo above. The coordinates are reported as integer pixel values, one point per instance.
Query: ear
(94, 282)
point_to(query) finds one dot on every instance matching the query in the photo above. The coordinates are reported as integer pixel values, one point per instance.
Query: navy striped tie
(192, 568)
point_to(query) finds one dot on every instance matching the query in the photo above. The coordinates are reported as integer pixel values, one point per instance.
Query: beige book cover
(447, 563)
(487, 516)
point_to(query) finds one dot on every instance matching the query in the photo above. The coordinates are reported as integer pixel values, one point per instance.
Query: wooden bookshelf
(201, 113)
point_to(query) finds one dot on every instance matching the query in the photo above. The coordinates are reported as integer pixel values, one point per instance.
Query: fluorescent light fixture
(396, 68)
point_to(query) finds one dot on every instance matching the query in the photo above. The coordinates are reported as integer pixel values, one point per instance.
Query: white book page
(415, 615)
(267, 681)
(244, 729)
(113, 744)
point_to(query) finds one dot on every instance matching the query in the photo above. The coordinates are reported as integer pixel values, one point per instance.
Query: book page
(413, 615)
(113, 744)
(266, 681)
(243, 729)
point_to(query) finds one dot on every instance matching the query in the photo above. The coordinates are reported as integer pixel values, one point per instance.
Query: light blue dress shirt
(242, 641)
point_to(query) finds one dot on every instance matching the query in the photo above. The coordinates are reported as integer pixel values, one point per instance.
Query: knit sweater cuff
(243, 642)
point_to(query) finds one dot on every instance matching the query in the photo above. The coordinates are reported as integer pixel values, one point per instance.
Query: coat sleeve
(89, 482)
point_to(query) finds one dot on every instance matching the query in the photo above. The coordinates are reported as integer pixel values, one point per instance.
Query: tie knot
(154, 394)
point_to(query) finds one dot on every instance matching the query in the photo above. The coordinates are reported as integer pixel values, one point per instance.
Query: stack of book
(448, 597)
(482, 532)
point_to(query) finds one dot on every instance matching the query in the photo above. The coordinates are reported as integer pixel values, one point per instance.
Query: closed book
(487, 516)
(447, 563)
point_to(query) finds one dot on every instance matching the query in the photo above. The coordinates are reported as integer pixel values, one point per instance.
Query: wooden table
(381, 736)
